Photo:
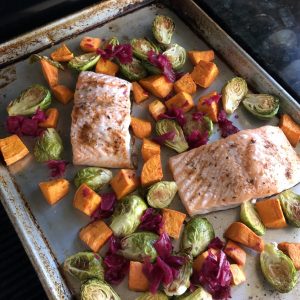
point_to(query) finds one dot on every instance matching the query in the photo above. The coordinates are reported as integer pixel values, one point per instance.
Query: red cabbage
(168, 136)
(226, 126)
(154, 274)
(196, 139)
(210, 100)
(174, 114)
(163, 246)
(198, 116)
(151, 220)
(166, 270)
(216, 243)
(114, 245)
(106, 207)
(57, 167)
(122, 52)
(39, 115)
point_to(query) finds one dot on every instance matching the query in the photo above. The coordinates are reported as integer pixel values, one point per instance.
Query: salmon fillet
(250, 164)
(100, 121)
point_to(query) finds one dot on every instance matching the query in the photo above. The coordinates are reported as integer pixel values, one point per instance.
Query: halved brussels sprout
(84, 62)
(278, 268)
(150, 296)
(163, 28)
(151, 68)
(141, 47)
(250, 217)
(84, 266)
(178, 143)
(95, 289)
(198, 294)
(133, 71)
(35, 57)
(48, 146)
(197, 234)
(161, 194)
(290, 203)
(205, 125)
(34, 97)
(139, 245)
(127, 215)
(94, 177)
(176, 55)
(232, 94)
(263, 106)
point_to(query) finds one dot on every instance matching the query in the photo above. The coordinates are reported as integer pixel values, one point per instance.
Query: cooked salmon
(250, 164)
(100, 121)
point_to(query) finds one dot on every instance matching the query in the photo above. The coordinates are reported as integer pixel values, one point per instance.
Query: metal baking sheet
(50, 234)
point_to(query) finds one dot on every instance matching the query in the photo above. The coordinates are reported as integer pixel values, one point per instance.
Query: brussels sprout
(151, 68)
(48, 146)
(290, 203)
(150, 296)
(35, 57)
(94, 177)
(133, 71)
(112, 41)
(127, 215)
(176, 55)
(34, 97)
(197, 234)
(139, 245)
(141, 47)
(232, 94)
(250, 217)
(163, 28)
(278, 268)
(161, 194)
(178, 143)
(263, 106)
(95, 289)
(84, 266)
(205, 125)
(198, 294)
(84, 62)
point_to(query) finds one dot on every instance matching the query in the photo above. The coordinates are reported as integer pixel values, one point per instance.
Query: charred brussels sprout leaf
(150, 296)
(34, 97)
(290, 203)
(112, 41)
(197, 234)
(84, 62)
(95, 289)
(163, 28)
(204, 125)
(139, 245)
(48, 146)
(141, 47)
(133, 71)
(35, 57)
(94, 177)
(278, 269)
(176, 55)
(198, 294)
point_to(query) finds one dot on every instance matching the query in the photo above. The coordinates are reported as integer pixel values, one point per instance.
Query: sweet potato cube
(205, 73)
(52, 115)
(158, 85)
(156, 108)
(95, 235)
(235, 252)
(105, 66)
(149, 149)
(151, 171)
(12, 149)
(62, 93)
(212, 109)
(50, 72)
(62, 54)
(185, 84)
(137, 281)
(196, 56)
(238, 275)
(54, 190)
(290, 128)
(124, 182)
(271, 213)
(89, 44)
(86, 200)
(292, 250)
(139, 94)
(181, 100)
(199, 260)
(172, 222)
(141, 128)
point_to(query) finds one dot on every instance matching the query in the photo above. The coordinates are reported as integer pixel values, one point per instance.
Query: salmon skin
(100, 121)
(253, 163)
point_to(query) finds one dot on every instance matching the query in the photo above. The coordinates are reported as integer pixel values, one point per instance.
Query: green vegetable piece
(84, 266)
(250, 217)
(232, 94)
(176, 55)
(161, 194)
(95, 289)
(141, 47)
(150, 296)
(34, 97)
(263, 106)
(48, 146)
(163, 28)
(139, 245)
(290, 203)
(178, 143)
(204, 125)
(84, 62)
(127, 215)
(133, 71)
(198, 294)
(151, 68)
(95, 178)
(278, 269)
(35, 57)
(197, 234)
(112, 41)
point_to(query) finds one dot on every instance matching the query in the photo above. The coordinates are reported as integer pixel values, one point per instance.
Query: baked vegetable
(141, 128)
(172, 222)
(105, 66)
(198, 294)
(151, 171)
(27, 103)
(235, 252)
(62, 93)
(211, 108)
(139, 94)
(204, 125)
(141, 47)
(133, 71)
(290, 204)
(238, 275)
(199, 260)
(62, 54)
(149, 296)
(149, 149)
(185, 84)
(163, 28)
(161, 194)
(206, 55)
(89, 44)
(176, 55)
(204, 73)
(156, 108)
(95, 289)
(158, 85)
(290, 128)
(84, 62)
(52, 115)
(292, 250)
(181, 100)
(137, 281)
(39, 58)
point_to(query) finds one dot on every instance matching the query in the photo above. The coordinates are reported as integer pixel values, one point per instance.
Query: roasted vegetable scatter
(278, 269)
(33, 98)
(84, 62)
(163, 28)
(290, 203)
(141, 47)
(95, 289)
(198, 294)
(161, 194)
(176, 55)
(134, 70)
(150, 296)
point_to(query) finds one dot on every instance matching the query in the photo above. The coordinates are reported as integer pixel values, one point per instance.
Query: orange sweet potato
(238, 275)
(158, 85)
(293, 251)
(141, 128)
(124, 182)
(89, 44)
(54, 190)
(50, 72)
(156, 108)
(212, 110)
(139, 94)
(52, 115)
(105, 66)
(151, 171)
(95, 235)
(149, 149)
(240, 233)
(137, 281)
(196, 56)
(172, 222)
(205, 73)
(62, 54)
(181, 100)
(62, 93)
(271, 213)
(290, 128)
(199, 260)
(185, 84)
(235, 252)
